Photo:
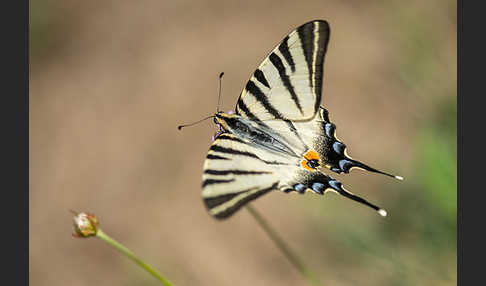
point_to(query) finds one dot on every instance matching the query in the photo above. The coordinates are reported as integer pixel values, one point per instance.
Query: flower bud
(84, 224)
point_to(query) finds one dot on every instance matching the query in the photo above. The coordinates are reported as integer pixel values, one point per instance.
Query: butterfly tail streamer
(320, 184)
(340, 190)
(335, 149)
(348, 164)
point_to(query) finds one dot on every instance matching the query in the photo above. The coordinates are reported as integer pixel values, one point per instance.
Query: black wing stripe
(241, 106)
(260, 97)
(208, 182)
(284, 49)
(322, 42)
(215, 157)
(261, 77)
(221, 199)
(225, 150)
(306, 35)
(224, 136)
(237, 205)
(277, 62)
(234, 172)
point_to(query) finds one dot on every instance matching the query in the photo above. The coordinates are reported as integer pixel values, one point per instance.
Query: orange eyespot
(304, 165)
(311, 160)
(311, 154)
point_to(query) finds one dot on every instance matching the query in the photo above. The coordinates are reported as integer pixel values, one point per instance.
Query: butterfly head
(222, 121)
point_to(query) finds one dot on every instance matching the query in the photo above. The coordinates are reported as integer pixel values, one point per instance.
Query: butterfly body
(280, 137)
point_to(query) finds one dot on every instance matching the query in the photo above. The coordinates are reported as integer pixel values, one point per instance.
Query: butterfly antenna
(219, 92)
(194, 123)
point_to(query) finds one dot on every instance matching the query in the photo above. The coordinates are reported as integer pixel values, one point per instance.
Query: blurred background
(111, 80)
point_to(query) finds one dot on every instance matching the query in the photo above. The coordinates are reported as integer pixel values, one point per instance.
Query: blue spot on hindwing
(337, 170)
(329, 128)
(345, 165)
(338, 147)
(300, 188)
(318, 188)
(335, 185)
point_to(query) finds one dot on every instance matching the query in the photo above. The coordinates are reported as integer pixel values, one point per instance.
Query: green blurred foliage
(437, 162)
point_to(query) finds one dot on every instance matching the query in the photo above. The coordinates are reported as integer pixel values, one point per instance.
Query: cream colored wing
(288, 83)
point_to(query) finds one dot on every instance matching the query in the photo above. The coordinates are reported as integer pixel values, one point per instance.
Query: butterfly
(279, 137)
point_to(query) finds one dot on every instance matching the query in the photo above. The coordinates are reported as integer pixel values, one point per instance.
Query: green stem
(103, 236)
(280, 243)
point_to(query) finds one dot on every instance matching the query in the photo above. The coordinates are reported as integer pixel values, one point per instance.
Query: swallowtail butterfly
(279, 137)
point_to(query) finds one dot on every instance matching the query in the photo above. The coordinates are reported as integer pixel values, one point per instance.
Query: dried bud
(84, 225)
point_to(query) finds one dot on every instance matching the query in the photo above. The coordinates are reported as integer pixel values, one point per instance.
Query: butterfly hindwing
(288, 83)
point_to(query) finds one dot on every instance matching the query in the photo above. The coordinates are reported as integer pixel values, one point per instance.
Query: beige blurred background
(111, 80)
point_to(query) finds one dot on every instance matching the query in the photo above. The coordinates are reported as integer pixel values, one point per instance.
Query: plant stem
(103, 236)
(280, 243)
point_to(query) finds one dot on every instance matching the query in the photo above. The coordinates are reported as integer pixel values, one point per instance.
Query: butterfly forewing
(288, 83)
